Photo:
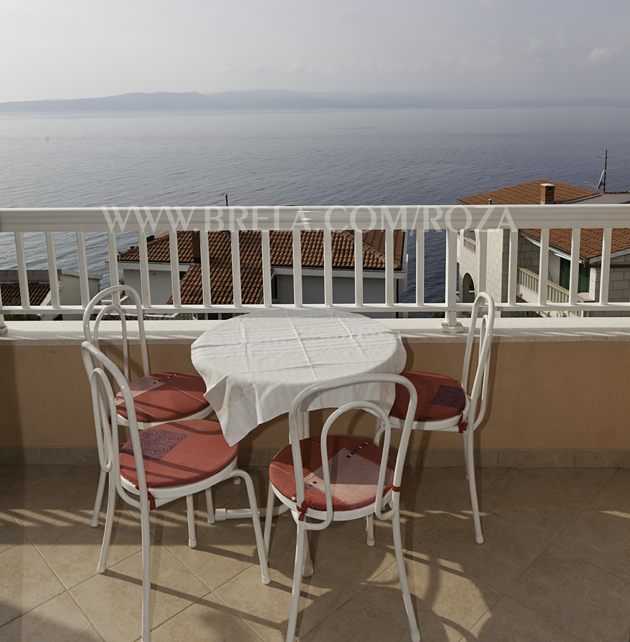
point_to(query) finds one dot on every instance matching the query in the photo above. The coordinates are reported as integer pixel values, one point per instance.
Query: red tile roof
(560, 239)
(11, 293)
(528, 194)
(281, 246)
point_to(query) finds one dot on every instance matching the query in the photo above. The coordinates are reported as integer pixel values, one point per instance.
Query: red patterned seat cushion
(165, 396)
(354, 466)
(178, 453)
(439, 397)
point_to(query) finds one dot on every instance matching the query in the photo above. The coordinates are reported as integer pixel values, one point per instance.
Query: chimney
(547, 193)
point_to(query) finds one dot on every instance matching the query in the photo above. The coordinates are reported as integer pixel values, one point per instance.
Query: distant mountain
(292, 100)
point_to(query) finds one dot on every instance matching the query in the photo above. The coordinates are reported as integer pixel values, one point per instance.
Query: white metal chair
(157, 465)
(158, 397)
(340, 478)
(446, 405)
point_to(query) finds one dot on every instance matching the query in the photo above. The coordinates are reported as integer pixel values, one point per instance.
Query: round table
(254, 365)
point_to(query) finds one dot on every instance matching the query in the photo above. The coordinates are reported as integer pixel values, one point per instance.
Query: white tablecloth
(255, 365)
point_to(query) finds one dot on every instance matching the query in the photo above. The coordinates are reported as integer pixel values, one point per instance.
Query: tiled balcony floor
(555, 565)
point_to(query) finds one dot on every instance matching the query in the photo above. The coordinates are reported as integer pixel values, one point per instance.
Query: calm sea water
(342, 157)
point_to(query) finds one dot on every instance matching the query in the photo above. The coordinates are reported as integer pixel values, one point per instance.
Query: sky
(507, 48)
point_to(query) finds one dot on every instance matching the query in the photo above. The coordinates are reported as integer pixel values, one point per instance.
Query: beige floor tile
(58, 620)
(25, 581)
(508, 550)
(208, 620)
(569, 590)
(356, 620)
(74, 489)
(72, 547)
(344, 550)
(224, 549)
(447, 602)
(11, 531)
(113, 600)
(266, 608)
(577, 484)
(508, 621)
(14, 480)
(601, 534)
(615, 491)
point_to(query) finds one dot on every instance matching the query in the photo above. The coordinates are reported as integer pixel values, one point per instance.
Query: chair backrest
(108, 302)
(478, 388)
(102, 371)
(303, 402)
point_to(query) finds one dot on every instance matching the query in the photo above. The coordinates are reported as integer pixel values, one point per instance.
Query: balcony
(553, 453)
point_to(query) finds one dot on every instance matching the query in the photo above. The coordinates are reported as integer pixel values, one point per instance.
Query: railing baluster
(25, 298)
(84, 283)
(266, 267)
(328, 277)
(482, 259)
(236, 268)
(450, 294)
(174, 256)
(574, 274)
(53, 277)
(113, 263)
(605, 266)
(419, 266)
(145, 281)
(389, 267)
(205, 268)
(358, 267)
(512, 267)
(543, 266)
(297, 267)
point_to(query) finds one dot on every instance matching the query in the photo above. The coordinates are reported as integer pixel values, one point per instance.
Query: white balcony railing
(530, 281)
(452, 219)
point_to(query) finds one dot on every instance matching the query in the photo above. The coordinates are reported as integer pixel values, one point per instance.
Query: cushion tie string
(301, 509)
(462, 425)
(152, 504)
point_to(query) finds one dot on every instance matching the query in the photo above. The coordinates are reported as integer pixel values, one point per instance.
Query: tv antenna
(602, 179)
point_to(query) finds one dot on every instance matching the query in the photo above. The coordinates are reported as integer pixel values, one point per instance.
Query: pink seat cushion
(178, 453)
(439, 397)
(165, 396)
(354, 466)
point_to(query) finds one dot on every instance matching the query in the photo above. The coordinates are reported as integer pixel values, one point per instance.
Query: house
(281, 255)
(39, 294)
(546, 192)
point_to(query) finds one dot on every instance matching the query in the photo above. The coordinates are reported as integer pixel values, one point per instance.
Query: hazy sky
(551, 48)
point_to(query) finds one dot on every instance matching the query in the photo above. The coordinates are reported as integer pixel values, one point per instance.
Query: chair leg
(307, 565)
(465, 441)
(369, 527)
(297, 581)
(260, 544)
(402, 575)
(190, 515)
(269, 517)
(109, 522)
(209, 506)
(98, 502)
(472, 485)
(146, 572)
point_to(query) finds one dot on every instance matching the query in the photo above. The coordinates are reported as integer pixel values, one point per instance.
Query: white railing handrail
(145, 221)
(403, 217)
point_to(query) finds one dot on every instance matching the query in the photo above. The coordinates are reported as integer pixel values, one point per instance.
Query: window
(565, 276)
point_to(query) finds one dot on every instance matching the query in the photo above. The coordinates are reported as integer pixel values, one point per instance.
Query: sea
(381, 157)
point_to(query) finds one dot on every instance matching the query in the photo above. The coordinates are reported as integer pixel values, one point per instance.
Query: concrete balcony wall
(559, 395)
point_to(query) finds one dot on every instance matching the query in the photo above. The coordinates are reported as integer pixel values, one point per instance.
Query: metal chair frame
(316, 520)
(477, 394)
(102, 371)
(91, 334)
